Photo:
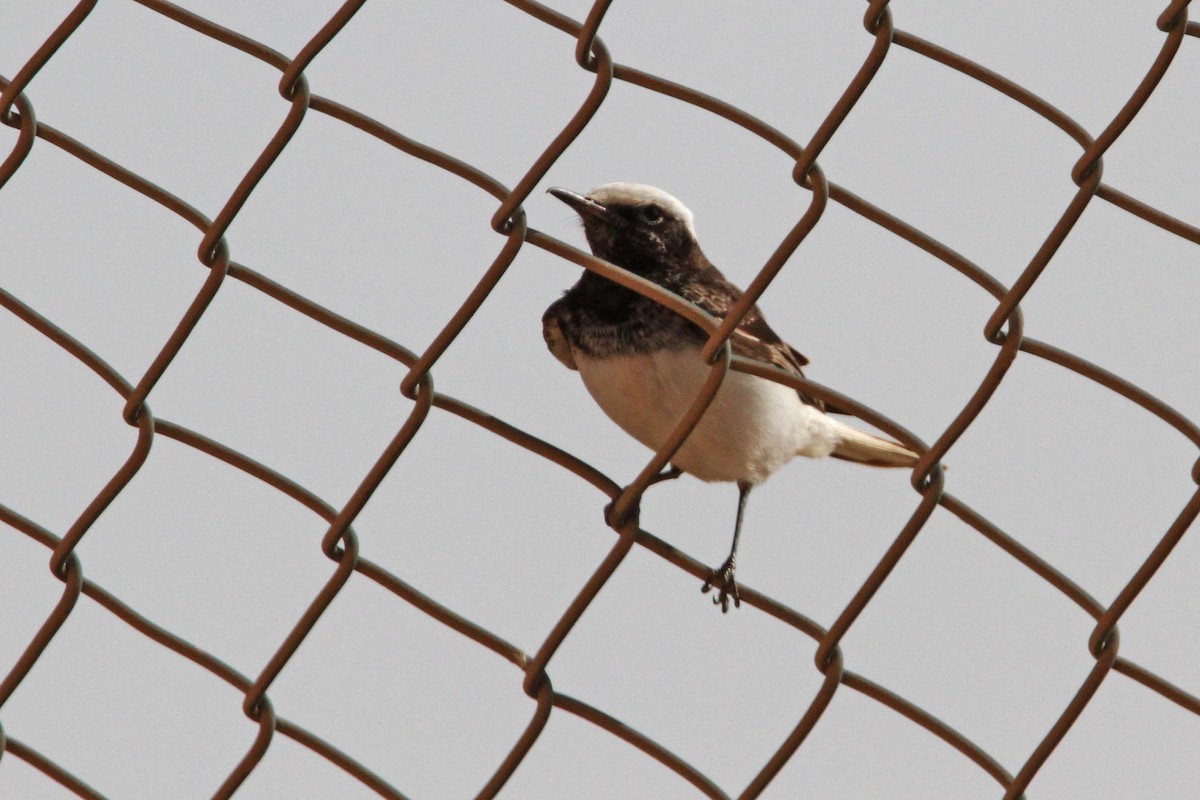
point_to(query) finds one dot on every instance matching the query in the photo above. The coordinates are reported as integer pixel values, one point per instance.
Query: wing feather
(753, 337)
(556, 340)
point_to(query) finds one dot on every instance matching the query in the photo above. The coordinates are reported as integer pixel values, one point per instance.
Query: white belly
(752, 428)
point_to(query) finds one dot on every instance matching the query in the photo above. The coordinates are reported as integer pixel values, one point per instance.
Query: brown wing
(556, 340)
(753, 337)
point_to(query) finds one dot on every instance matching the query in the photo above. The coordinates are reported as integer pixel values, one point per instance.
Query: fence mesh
(1003, 329)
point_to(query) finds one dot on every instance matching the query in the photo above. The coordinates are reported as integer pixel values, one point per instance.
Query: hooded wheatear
(641, 361)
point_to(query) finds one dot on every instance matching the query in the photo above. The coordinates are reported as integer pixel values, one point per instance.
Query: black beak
(582, 205)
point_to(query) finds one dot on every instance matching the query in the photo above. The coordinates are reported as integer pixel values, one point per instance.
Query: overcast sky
(1079, 475)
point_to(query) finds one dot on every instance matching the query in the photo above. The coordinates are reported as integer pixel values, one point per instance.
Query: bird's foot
(669, 474)
(723, 579)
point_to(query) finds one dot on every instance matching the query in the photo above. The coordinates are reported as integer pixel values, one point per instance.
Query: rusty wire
(1003, 329)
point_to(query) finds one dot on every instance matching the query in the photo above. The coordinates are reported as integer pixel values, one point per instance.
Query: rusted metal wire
(1003, 328)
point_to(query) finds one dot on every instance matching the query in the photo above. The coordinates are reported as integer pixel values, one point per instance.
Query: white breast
(752, 428)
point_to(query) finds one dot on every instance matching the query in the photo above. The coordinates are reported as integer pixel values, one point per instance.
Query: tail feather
(865, 448)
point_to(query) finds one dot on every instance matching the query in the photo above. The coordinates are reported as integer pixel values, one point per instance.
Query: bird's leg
(722, 577)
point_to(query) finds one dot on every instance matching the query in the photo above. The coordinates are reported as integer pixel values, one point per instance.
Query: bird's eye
(652, 214)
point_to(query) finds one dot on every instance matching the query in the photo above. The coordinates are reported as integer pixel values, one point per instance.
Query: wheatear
(641, 361)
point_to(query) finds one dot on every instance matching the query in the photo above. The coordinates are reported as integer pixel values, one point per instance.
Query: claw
(723, 579)
(671, 473)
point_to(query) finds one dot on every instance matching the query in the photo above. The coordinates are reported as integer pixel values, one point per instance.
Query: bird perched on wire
(641, 361)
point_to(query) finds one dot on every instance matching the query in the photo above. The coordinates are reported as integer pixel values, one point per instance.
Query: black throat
(604, 318)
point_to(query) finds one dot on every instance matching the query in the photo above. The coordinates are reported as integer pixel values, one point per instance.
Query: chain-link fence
(1003, 329)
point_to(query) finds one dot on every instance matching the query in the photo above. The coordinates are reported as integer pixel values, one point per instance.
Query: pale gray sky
(1084, 478)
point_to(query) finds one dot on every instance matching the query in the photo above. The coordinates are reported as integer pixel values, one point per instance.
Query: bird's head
(638, 227)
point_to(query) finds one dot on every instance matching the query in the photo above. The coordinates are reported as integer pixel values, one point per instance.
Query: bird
(641, 363)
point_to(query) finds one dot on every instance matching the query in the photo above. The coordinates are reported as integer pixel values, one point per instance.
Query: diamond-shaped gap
(1108, 56)
(743, 199)
(104, 697)
(883, 321)
(514, 91)
(861, 748)
(452, 708)
(956, 159)
(1080, 475)
(970, 635)
(111, 267)
(1122, 293)
(574, 758)
(199, 547)
(498, 534)
(285, 390)
(812, 51)
(722, 692)
(368, 231)
(61, 433)
(214, 108)
(1129, 742)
